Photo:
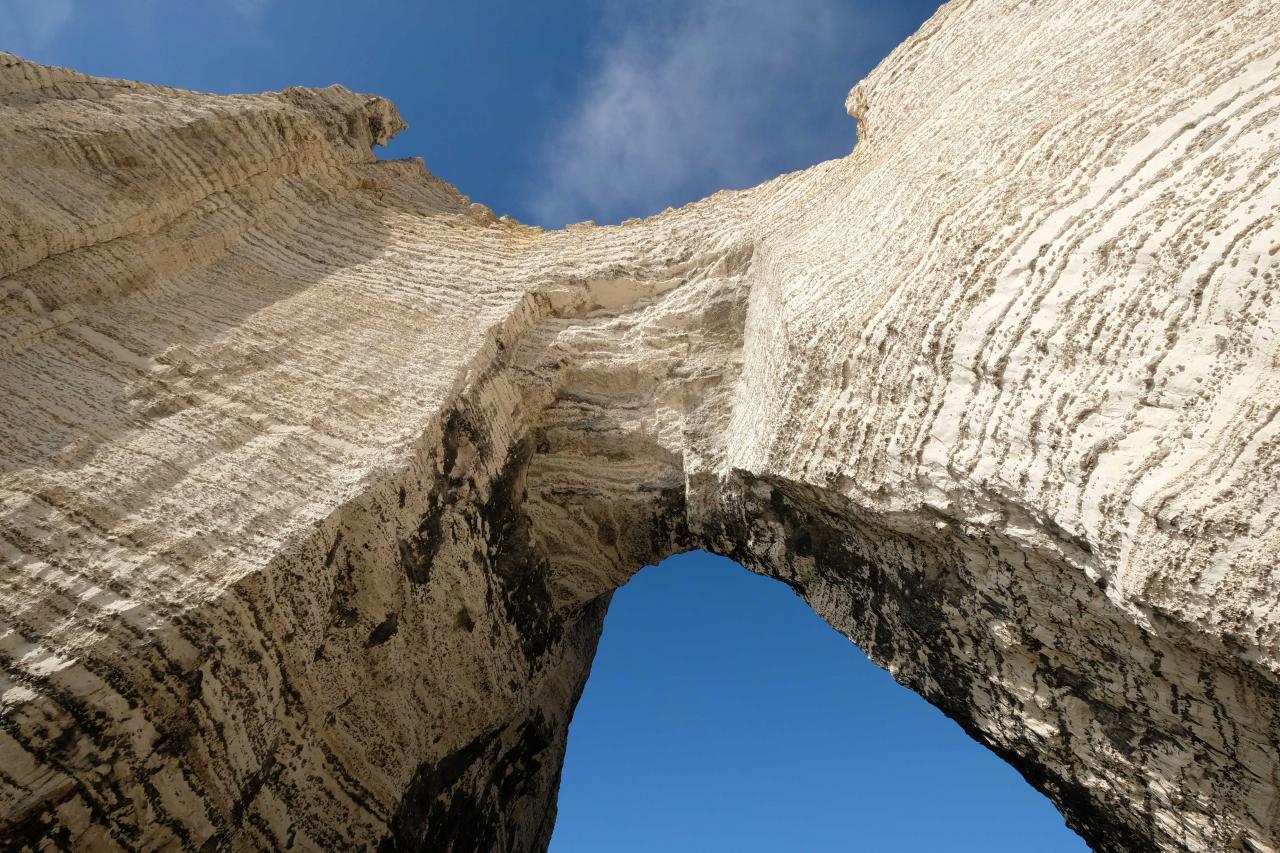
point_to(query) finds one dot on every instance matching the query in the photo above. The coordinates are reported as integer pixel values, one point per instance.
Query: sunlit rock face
(317, 478)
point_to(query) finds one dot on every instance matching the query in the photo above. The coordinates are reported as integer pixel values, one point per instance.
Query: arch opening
(723, 713)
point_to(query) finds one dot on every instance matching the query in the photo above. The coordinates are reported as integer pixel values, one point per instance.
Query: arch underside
(1019, 647)
(317, 477)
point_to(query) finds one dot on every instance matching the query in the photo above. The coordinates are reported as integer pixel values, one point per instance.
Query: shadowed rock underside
(317, 478)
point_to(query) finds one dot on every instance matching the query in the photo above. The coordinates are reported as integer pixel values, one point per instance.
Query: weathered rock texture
(316, 478)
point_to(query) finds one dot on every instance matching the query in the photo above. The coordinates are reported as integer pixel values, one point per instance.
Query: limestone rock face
(316, 478)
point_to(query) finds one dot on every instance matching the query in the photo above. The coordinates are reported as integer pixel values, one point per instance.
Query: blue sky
(551, 111)
(721, 713)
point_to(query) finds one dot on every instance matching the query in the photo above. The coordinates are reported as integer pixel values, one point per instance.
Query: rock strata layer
(316, 478)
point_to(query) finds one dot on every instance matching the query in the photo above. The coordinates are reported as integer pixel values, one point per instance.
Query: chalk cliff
(316, 478)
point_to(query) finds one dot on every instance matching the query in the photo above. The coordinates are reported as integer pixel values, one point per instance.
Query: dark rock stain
(385, 630)
(470, 800)
(521, 571)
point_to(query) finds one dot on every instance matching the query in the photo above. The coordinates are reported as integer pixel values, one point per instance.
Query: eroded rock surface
(317, 478)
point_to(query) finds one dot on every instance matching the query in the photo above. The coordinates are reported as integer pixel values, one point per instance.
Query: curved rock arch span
(318, 477)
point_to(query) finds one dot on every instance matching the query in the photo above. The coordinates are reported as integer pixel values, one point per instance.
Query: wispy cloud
(249, 9)
(29, 25)
(690, 97)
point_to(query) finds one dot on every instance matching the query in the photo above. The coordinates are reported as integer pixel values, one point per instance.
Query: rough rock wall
(317, 478)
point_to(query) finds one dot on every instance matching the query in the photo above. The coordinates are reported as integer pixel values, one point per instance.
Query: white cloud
(29, 25)
(689, 98)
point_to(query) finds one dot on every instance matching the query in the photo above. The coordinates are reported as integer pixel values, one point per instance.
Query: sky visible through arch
(722, 714)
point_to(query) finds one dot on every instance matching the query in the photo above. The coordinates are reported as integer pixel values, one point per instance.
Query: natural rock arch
(318, 477)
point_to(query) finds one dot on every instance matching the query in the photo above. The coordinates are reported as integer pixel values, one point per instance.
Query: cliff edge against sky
(317, 478)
